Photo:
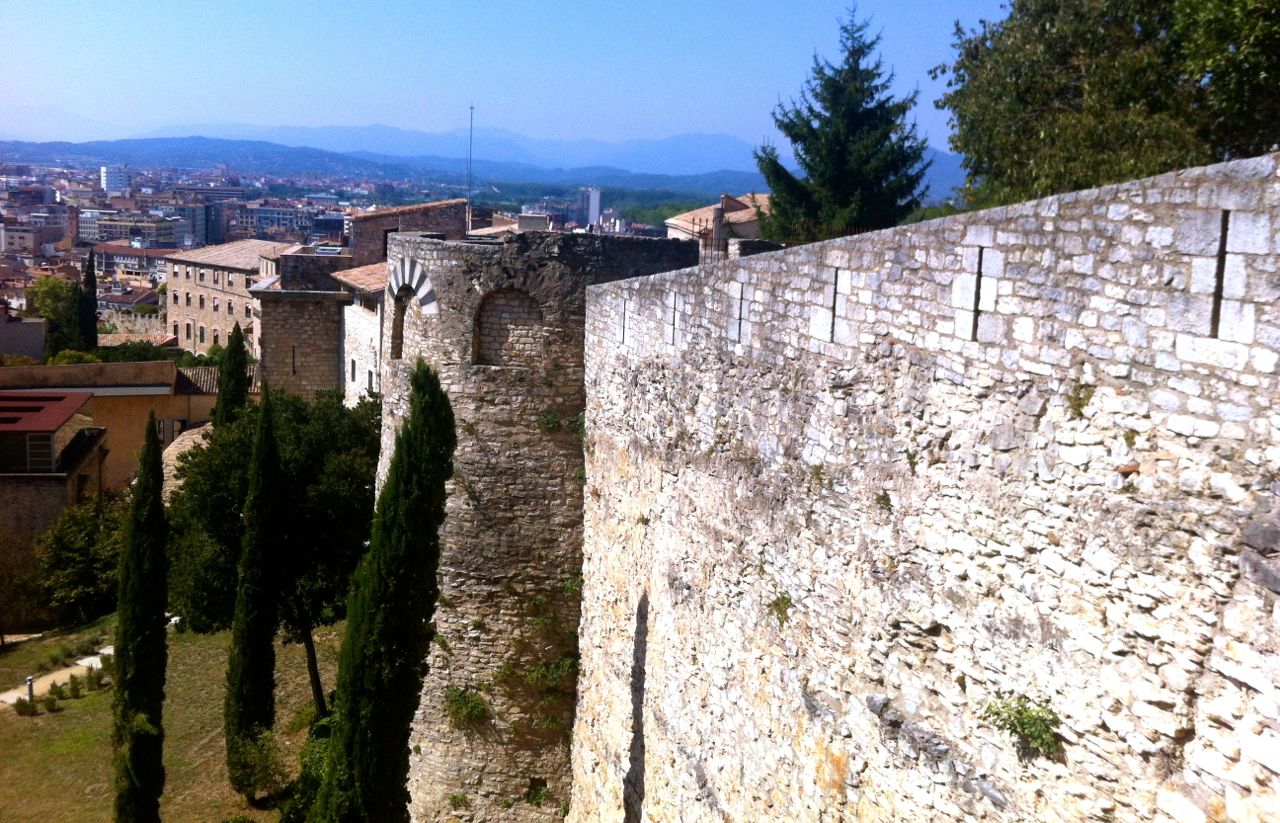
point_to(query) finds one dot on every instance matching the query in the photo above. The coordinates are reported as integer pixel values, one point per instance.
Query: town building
(208, 292)
(114, 180)
(112, 261)
(119, 397)
(51, 457)
(144, 230)
(362, 330)
(713, 226)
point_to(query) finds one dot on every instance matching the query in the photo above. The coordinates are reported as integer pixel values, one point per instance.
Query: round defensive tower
(503, 324)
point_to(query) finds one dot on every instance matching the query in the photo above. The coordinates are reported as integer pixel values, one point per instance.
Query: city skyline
(127, 69)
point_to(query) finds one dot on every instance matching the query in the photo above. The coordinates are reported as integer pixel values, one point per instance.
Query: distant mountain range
(697, 164)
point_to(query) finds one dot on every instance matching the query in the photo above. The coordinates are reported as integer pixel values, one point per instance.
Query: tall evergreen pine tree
(87, 309)
(140, 647)
(389, 613)
(233, 379)
(862, 161)
(250, 707)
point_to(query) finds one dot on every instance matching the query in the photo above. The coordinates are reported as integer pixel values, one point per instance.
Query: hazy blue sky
(551, 68)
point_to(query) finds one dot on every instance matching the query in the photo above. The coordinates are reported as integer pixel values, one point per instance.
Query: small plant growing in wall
(466, 709)
(1033, 723)
(884, 502)
(459, 801)
(549, 421)
(1079, 399)
(780, 607)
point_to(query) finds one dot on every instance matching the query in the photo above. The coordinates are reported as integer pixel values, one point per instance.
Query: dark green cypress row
(140, 646)
(233, 379)
(389, 613)
(86, 318)
(250, 707)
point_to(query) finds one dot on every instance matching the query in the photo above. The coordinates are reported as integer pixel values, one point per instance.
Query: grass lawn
(57, 768)
(17, 660)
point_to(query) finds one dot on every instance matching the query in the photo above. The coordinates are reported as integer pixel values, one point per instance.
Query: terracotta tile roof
(242, 254)
(742, 209)
(121, 339)
(204, 380)
(369, 215)
(370, 278)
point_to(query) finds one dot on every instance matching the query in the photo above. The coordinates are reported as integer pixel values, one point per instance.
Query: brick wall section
(825, 525)
(511, 542)
(302, 339)
(369, 231)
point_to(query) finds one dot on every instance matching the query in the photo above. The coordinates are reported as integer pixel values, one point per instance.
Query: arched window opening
(508, 330)
(403, 296)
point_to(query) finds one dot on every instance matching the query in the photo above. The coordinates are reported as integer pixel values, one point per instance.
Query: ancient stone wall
(845, 499)
(511, 543)
(302, 339)
(370, 232)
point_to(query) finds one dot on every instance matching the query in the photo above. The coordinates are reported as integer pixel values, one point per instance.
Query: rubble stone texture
(842, 496)
(503, 324)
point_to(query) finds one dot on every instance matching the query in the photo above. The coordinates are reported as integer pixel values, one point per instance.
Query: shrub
(108, 664)
(1079, 398)
(93, 679)
(549, 421)
(464, 707)
(73, 688)
(551, 675)
(50, 703)
(257, 763)
(1032, 723)
(312, 761)
(537, 792)
(24, 707)
(780, 607)
(57, 692)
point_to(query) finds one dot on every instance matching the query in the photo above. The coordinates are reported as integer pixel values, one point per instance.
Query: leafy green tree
(72, 357)
(1232, 49)
(79, 559)
(389, 613)
(1063, 96)
(141, 653)
(328, 456)
(55, 300)
(250, 707)
(233, 379)
(862, 161)
(87, 309)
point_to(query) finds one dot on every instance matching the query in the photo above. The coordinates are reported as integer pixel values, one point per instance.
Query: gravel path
(62, 676)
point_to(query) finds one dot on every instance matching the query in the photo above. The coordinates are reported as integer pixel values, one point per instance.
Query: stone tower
(503, 323)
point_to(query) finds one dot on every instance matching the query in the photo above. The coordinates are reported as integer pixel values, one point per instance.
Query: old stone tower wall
(842, 497)
(503, 324)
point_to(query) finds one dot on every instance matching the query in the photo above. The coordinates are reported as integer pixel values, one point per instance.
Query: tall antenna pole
(471, 135)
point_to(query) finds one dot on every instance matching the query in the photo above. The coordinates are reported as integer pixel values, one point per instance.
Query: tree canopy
(1061, 96)
(861, 160)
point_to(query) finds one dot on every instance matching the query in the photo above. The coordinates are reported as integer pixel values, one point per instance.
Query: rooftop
(417, 207)
(241, 254)
(115, 248)
(740, 209)
(370, 278)
(38, 412)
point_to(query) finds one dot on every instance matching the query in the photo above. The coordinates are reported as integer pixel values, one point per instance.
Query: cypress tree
(86, 319)
(140, 650)
(389, 613)
(250, 707)
(233, 379)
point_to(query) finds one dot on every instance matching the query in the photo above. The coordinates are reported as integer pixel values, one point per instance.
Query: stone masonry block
(987, 300)
(1249, 233)
(992, 263)
(1204, 275)
(1237, 321)
(979, 236)
(1235, 279)
(1224, 354)
(962, 288)
(844, 281)
(1198, 232)
(964, 323)
(990, 328)
(969, 259)
(1190, 313)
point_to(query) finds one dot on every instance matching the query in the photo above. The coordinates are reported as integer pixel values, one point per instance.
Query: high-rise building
(114, 180)
(589, 205)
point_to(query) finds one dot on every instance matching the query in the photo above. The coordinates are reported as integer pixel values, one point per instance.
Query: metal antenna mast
(471, 134)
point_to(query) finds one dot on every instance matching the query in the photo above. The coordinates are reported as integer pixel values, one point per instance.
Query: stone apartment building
(209, 292)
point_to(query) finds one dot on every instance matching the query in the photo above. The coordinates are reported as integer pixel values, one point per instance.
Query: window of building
(175, 298)
(202, 275)
(370, 380)
(202, 301)
(215, 304)
(397, 324)
(230, 307)
(202, 334)
(353, 371)
(188, 298)
(216, 340)
(188, 331)
(248, 311)
(175, 329)
(231, 279)
(215, 276)
(187, 271)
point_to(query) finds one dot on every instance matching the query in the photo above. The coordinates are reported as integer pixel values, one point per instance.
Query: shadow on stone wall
(633, 785)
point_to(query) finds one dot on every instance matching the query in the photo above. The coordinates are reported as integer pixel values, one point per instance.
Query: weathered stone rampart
(503, 324)
(842, 497)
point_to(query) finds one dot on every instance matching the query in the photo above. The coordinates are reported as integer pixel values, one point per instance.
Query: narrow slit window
(293, 355)
(977, 295)
(1219, 276)
(835, 296)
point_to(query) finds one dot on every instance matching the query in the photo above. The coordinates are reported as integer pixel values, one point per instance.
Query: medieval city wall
(842, 497)
(503, 325)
